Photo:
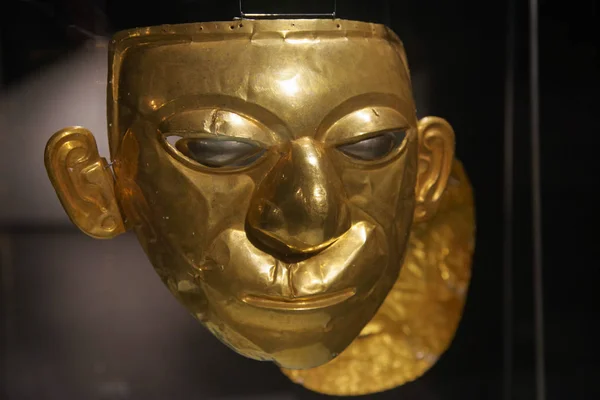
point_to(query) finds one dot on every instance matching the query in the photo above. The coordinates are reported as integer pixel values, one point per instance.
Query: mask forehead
(301, 71)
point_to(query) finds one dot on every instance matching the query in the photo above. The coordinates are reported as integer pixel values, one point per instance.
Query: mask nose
(300, 206)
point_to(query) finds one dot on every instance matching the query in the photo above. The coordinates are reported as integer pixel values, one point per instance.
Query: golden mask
(284, 190)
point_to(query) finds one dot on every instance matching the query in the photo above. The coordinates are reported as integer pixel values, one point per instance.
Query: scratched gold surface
(275, 173)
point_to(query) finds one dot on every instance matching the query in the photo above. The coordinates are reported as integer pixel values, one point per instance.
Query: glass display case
(89, 319)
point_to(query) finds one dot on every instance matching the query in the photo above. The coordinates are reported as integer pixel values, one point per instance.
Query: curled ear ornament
(83, 182)
(436, 155)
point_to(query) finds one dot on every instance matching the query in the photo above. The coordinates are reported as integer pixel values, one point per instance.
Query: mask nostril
(268, 216)
(280, 248)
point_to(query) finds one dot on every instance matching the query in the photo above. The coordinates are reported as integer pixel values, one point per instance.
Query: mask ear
(436, 153)
(83, 182)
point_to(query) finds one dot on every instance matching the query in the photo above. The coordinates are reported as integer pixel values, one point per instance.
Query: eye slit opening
(216, 152)
(374, 147)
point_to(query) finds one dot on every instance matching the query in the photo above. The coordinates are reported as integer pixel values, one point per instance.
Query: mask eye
(219, 153)
(374, 148)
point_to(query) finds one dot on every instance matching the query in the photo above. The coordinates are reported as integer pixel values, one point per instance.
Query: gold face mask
(273, 171)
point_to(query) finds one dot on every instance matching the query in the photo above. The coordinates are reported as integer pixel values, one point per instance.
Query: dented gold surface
(272, 171)
(419, 317)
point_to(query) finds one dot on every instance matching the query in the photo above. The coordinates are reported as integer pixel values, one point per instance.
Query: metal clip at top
(244, 15)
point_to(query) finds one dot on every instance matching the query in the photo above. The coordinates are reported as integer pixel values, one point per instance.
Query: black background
(461, 47)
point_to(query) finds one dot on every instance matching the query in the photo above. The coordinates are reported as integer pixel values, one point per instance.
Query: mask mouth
(349, 267)
(308, 303)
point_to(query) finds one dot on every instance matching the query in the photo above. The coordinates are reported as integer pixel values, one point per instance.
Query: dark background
(85, 319)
